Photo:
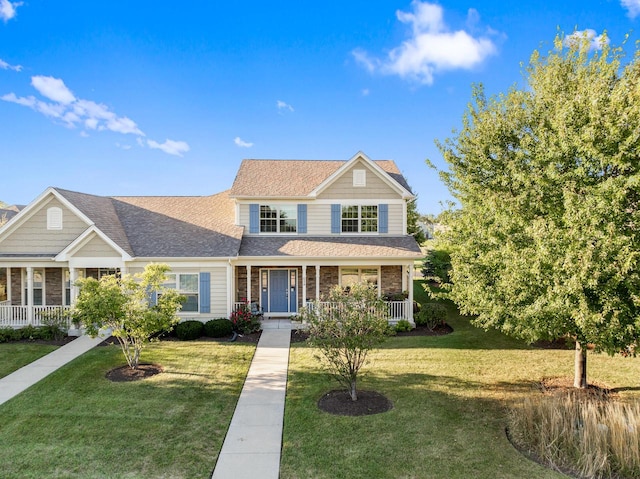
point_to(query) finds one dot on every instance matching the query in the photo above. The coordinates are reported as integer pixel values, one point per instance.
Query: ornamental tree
(135, 308)
(345, 327)
(545, 241)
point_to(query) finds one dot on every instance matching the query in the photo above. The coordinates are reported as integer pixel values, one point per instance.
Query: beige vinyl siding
(96, 248)
(243, 216)
(342, 188)
(396, 219)
(34, 237)
(318, 219)
(218, 292)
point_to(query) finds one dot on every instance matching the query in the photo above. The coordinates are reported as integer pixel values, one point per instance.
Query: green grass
(77, 424)
(15, 355)
(450, 396)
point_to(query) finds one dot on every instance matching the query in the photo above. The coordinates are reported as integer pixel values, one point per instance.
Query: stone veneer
(53, 286)
(16, 286)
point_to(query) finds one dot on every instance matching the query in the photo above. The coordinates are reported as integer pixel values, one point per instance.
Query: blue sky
(166, 98)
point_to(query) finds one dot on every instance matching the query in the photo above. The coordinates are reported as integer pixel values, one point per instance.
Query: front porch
(20, 316)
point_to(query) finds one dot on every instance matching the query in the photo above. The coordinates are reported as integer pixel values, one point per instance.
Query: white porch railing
(20, 316)
(397, 309)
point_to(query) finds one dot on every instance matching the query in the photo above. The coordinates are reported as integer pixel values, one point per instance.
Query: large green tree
(545, 240)
(134, 307)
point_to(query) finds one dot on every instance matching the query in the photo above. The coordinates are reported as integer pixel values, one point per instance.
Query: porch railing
(397, 309)
(20, 316)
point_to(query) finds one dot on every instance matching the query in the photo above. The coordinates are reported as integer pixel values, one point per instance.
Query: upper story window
(359, 218)
(278, 219)
(54, 218)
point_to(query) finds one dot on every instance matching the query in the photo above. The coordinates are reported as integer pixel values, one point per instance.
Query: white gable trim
(90, 233)
(35, 206)
(380, 172)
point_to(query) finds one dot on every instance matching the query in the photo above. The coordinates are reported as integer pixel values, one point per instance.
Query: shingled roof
(164, 226)
(293, 178)
(332, 247)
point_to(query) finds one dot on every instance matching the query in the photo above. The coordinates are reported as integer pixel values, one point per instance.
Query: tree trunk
(353, 392)
(580, 369)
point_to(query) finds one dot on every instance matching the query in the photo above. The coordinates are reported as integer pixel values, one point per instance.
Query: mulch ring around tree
(125, 373)
(564, 385)
(339, 402)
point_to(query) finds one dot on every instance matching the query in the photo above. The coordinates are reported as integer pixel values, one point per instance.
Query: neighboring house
(284, 234)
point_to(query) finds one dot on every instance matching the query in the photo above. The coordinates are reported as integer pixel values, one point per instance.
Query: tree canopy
(545, 240)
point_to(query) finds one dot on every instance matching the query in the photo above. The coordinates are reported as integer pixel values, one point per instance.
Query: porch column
(410, 291)
(304, 285)
(231, 287)
(317, 282)
(29, 295)
(73, 277)
(9, 298)
(248, 284)
(405, 274)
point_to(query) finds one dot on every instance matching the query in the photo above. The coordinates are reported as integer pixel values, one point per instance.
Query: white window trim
(360, 232)
(360, 268)
(197, 292)
(277, 207)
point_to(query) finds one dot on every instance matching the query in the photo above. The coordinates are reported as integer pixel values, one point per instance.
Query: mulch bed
(52, 342)
(339, 402)
(244, 338)
(126, 374)
(564, 385)
(300, 335)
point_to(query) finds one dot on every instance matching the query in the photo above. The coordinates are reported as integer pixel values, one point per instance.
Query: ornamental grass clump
(593, 437)
(344, 328)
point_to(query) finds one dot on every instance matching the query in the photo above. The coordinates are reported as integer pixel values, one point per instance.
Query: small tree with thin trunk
(135, 308)
(345, 327)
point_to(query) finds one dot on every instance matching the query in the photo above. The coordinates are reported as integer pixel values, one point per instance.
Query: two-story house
(284, 234)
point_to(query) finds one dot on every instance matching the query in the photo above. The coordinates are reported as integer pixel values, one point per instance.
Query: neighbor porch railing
(20, 316)
(397, 309)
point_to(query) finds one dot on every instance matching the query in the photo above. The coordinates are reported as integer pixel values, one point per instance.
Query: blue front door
(279, 291)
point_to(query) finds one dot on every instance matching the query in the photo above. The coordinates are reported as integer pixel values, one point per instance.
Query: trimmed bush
(218, 328)
(431, 315)
(189, 330)
(9, 334)
(402, 326)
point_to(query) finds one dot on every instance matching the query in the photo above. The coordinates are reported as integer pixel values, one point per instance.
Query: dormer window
(278, 219)
(54, 218)
(359, 178)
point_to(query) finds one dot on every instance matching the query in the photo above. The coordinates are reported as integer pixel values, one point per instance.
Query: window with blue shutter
(254, 218)
(335, 218)
(205, 292)
(383, 218)
(302, 218)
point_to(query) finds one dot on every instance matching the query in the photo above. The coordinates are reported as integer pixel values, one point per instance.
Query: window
(360, 219)
(54, 218)
(187, 284)
(359, 178)
(108, 272)
(67, 287)
(278, 219)
(349, 276)
(38, 288)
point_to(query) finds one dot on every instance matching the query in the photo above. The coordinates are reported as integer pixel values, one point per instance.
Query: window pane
(37, 297)
(189, 283)
(370, 276)
(37, 278)
(191, 304)
(348, 276)
(350, 219)
(170, 282)
(268, 219)
(369, 219)
(288, 226)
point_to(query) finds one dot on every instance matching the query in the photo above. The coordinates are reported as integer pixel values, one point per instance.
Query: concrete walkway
(27, 376)
(252, 446)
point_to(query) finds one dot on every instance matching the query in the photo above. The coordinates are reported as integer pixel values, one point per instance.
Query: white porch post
(405, 274)
(73, 277)
(230, 289)
(30, 295)
(248, 284)
(410, 291)
(9, 285)
(304, 285)
(317, 282)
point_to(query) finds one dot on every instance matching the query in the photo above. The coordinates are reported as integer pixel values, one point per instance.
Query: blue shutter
(335, 218)
(383, 218)
(254, 218)
(153, 298)
(205, 292)
(302, 218)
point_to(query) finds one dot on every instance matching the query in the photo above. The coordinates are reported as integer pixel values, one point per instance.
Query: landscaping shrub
(30, 333)
(402, 326)
(243, 321)
(431, 315)
(593, 437)
(9, 334)
(218, 328)
(189, 330)
(55, 325)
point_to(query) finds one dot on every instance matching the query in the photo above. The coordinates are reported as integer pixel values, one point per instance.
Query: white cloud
(8, 9)
(283, 106)
(5, 66)
(123, 147)
(596, 42)
(53, 89)
(170, 147)
(633, 7)
(241, 143)
(432, 47)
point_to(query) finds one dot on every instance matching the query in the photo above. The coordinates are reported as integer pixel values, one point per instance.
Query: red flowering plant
(244, 322)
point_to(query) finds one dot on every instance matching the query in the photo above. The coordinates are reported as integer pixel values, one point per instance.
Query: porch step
(276, 324)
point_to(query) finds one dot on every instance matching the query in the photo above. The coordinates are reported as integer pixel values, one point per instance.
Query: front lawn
(450, 395)
(78, 424)
(13, 356)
